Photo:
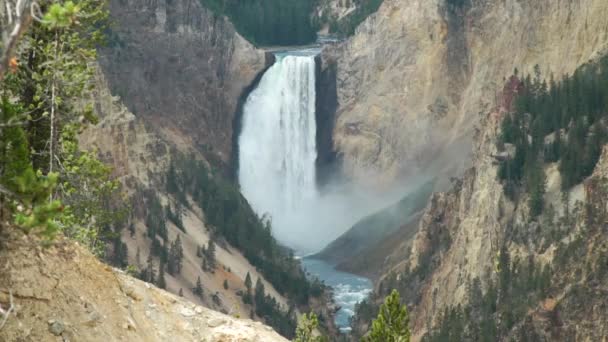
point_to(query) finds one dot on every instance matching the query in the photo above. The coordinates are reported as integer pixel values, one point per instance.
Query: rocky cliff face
(64, 293)
(417, 74)
(171, 81)
(181, 68)
(140, 153)
(464, 232)
(416, 85)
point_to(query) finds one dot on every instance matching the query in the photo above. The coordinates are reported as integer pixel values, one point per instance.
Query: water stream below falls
(349, 289)
(277, 154)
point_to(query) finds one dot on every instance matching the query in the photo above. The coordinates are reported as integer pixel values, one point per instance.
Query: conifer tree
(210, 255)
(149, 274)
(160, 282)
(138, 259)
(259, 297)
(176, 254)
(306, 329)
(198, 289)
(248, 283)
(392, 324)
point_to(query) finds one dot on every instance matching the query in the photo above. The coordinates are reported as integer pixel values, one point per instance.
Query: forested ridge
(290, 22)
(269, 22)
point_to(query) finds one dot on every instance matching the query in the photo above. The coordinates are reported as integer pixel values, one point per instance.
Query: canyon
(407, 111)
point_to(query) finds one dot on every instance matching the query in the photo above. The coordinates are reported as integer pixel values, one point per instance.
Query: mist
(339, 205)
(277, 169)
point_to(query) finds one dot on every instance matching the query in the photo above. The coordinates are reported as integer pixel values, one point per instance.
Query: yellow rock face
(430, 70)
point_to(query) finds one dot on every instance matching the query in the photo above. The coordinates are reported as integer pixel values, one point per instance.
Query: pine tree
(149, 274)
(306, 329)
(210, 255)
(248, 283)
(260, 298)
(392, 324)
(225, 284)
(176, 254)
(179, 254)
(160, 282)
(138, 259)
(198, 289)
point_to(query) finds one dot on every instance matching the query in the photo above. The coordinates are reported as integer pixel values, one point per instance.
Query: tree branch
(22, 19)
(7, 312)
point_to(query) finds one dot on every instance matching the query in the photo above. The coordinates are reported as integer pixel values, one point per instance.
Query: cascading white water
(277, 145)
(277, 154)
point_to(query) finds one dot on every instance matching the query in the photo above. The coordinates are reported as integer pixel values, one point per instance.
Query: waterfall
(277, 145)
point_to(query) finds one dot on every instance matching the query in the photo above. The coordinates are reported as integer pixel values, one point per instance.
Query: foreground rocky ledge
(63, 293)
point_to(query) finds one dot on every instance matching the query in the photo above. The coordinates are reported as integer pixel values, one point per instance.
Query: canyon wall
(417, 75)
(419, 93)
(182, 69)
(170, 81)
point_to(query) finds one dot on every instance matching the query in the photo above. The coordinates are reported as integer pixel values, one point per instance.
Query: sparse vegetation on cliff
(561, 122)
(232, 220)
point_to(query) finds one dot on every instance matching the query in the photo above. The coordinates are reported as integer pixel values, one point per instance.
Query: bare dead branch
(20, 19)
(7, 312)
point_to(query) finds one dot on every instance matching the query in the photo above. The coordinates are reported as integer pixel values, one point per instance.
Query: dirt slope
(63, 293)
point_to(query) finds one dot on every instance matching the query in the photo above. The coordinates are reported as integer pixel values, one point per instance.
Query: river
(349, 289)
(277, 172)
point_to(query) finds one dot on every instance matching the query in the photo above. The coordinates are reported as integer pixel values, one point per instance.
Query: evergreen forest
(269, 22)
(553, 121)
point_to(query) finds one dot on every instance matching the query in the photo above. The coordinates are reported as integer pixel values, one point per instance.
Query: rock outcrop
(64, 293)
(416, 76)
(181, 68)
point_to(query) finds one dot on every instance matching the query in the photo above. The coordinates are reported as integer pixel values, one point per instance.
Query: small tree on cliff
(306, 329)
(210, 255)
(392, 324)
(160, 282)
(248, 283)
(198, 289)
